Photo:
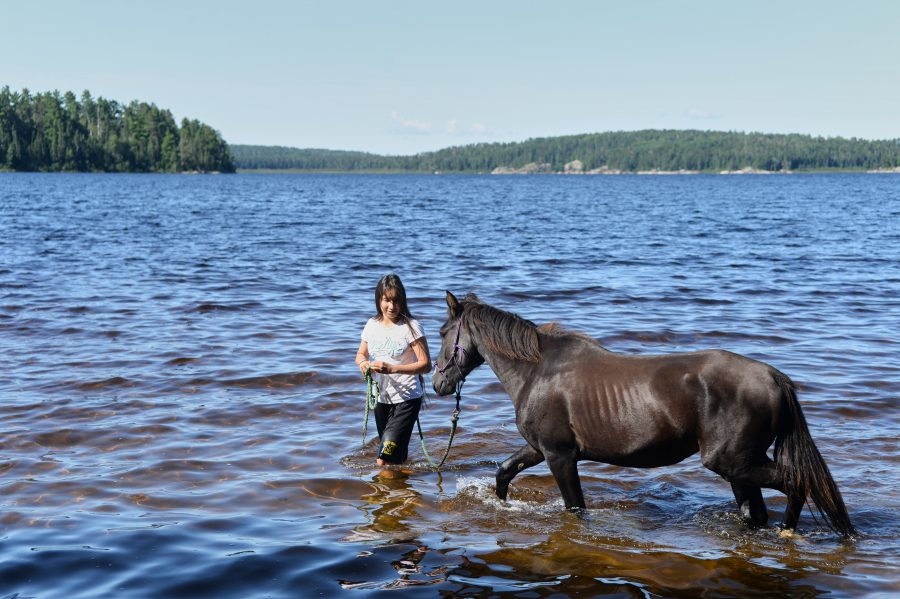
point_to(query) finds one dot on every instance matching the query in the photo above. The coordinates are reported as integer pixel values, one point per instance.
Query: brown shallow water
(180, 414)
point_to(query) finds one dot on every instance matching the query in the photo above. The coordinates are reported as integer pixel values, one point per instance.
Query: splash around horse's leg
(578, 512)
(526, 457)
(786, 533)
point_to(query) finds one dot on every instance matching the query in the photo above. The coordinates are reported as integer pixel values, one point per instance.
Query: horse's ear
(453, 306)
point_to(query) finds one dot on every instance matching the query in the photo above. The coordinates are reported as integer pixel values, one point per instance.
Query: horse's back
(653, 410)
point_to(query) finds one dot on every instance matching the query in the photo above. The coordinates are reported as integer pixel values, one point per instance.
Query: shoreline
(600, 173)
(251, 171)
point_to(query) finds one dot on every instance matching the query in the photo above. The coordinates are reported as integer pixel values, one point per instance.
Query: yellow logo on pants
(388, 448)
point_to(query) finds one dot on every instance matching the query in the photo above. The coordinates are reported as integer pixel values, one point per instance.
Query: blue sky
(400, 77)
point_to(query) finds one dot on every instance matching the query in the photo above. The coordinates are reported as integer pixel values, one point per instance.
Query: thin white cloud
(452, 127)
(702, 115)
(411, 125)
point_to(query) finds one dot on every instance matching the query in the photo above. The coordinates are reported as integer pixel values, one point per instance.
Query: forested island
(602, 153)
(58, 132)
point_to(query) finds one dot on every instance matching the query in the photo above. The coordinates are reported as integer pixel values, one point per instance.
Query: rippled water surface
(180, 414)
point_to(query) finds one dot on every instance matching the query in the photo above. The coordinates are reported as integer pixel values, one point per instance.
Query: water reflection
(391, 510)
(571, 568)
(391, 504)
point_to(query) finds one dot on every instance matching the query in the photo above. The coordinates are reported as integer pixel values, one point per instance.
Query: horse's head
(458, 355)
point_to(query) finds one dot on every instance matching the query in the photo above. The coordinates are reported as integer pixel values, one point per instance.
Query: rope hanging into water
(453, 420)
(372, 394)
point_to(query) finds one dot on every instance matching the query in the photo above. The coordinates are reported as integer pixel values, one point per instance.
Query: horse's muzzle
(441, 385)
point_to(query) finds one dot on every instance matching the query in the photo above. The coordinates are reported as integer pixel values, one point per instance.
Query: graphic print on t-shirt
(387, 348)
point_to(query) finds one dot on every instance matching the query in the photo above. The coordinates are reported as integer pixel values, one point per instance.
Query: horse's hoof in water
(786, 533)
(753, 518)
(580, 512)
(501, 491)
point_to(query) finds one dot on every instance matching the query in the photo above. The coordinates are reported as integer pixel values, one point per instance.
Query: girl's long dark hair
(392, 282)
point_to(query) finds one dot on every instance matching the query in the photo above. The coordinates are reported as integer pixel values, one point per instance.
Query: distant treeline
(57, 132)
(282, 158)
(667, 150)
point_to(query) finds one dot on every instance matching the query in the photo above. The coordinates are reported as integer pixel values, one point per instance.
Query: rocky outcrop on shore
(576, 167)
(659, 172)
(749, 170)
(605, 170)
(878, 171)
(532, 168)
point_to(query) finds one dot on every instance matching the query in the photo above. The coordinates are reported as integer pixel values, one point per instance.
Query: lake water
(180, 414)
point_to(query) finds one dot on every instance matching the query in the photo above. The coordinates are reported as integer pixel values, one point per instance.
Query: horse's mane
(557, 330)
(504, 333)
(510, 335)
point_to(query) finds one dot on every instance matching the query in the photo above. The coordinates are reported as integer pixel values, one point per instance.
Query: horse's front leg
(526, 457)
(564, 468)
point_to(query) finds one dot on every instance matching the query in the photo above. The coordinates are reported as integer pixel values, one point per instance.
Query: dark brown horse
(576, 401)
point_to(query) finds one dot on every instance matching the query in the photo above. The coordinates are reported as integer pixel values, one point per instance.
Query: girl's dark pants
(395, 424)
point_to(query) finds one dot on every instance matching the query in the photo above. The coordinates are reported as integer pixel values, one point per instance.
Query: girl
(394, 348)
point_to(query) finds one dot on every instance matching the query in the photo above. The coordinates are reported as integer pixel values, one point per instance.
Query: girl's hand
(379, 366)
(364, 366)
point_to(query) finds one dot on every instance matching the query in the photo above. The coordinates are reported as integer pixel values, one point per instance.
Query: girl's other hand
(379, 366)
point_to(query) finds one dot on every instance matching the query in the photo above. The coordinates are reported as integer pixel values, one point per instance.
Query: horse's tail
(802, 468)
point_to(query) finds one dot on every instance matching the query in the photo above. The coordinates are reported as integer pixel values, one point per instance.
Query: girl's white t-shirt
(391, 343)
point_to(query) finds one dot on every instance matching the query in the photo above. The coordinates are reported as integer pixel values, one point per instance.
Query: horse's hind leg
(792, 511)
(747, 476)
(766, 475)
(526, 457)
(750, 502)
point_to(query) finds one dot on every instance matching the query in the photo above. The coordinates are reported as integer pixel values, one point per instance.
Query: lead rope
(372, 393)
(453, 420)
